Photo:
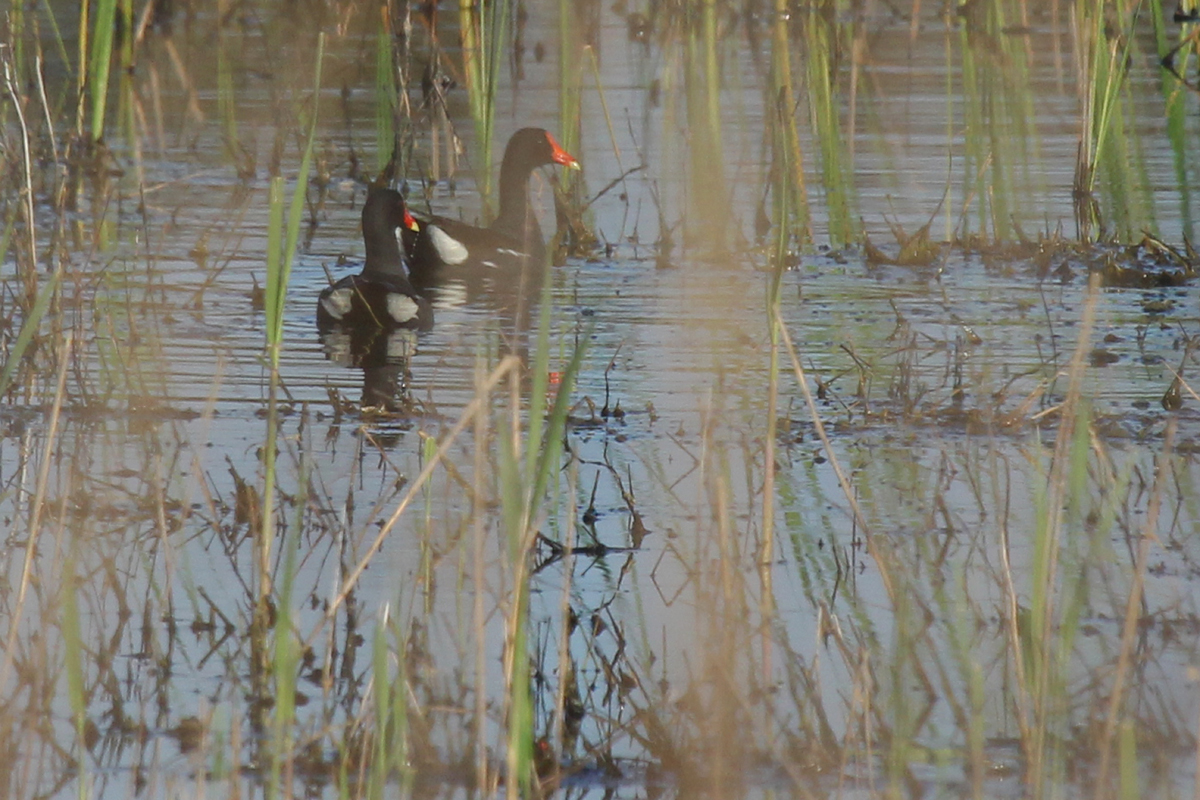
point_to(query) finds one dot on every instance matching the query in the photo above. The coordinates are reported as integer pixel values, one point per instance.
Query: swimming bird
(513, 239)
(381, 296)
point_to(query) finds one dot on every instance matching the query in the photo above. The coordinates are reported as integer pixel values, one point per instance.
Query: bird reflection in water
(383, 355)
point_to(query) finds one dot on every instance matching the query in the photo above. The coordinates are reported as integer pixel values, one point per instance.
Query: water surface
(865, 649)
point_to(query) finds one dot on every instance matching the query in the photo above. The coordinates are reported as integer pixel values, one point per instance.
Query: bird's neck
(515, 214)
(384, 257)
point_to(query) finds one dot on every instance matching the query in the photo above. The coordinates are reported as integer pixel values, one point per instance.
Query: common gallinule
(381, 296)
(514, 237)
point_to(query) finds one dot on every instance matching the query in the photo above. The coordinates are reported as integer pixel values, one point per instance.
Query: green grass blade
(101, 61)
(29, 328)
(279, 267)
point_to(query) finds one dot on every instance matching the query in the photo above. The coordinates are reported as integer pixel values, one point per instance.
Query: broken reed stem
(36, 505)
(510, 364)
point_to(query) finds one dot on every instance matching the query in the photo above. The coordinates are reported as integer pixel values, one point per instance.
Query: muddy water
(931, 383)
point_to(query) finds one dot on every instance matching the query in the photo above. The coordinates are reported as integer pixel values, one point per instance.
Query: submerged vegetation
(851, 447)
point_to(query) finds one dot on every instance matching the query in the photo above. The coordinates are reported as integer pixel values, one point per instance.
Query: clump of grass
(1104, 75)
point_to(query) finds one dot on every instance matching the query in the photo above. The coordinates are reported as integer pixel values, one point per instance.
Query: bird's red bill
(560, 156)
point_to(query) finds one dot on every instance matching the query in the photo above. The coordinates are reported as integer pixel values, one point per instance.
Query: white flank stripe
(450, 250)
(401, 307)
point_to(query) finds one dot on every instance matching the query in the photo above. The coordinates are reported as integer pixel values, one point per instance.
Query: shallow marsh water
(855, 660)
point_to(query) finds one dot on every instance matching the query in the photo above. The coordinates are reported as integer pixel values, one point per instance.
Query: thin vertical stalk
(279, 262)
(274, 311)
(766, 554)
(85, 31)
(101, 62)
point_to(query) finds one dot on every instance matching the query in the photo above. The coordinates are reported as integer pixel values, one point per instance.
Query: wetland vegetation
(845, 446)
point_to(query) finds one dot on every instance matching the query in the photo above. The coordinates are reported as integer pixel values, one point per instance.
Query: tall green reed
(281, 248)
(525, 471)
(573, 53)
(386, 96)
(781, 224)
(390, 708)
(281, 251)
(125, 75)
(95, 78)
(822, 37)
(570, 73)
(484, 29)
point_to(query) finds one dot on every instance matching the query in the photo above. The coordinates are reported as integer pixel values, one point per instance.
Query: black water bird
(513, 239)
(382, 295)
